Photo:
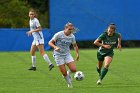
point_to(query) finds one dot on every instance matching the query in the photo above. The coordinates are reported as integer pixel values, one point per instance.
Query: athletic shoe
(32, 68)
(99, 82)
(50, 67)
(70, 86)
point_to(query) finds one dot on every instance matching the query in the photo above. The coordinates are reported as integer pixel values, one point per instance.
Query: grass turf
(123, 75)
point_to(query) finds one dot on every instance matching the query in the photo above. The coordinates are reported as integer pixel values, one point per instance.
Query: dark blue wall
(90, 16)
(93, 16)
(17, 40)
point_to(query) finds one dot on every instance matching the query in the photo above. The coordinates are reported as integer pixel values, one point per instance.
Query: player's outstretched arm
(77, 51)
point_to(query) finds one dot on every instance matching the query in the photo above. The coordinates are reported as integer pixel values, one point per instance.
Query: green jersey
(108, 40)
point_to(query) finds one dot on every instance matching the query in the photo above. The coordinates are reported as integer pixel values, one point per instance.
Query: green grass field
(123, 75)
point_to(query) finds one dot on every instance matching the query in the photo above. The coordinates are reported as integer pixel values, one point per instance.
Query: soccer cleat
(70, 86)
(99, 82)
(50, 67)
(32, 68)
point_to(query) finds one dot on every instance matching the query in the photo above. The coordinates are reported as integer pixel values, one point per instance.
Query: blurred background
(92, 17)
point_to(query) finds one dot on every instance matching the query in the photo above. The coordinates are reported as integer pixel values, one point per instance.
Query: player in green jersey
(106, 42)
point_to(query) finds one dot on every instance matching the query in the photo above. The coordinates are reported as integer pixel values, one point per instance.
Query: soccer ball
(79, 75)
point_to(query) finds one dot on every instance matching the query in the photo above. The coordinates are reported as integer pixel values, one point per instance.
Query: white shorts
(38, 42)
(60, 60)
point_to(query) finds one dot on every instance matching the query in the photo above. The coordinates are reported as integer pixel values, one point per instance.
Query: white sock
(67, 78)
(45, 56)
(69, 72)
(33, 61)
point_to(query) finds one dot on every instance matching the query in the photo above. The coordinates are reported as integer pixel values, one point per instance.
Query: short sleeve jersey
(63, 42)
(108, 40)
(34, 23)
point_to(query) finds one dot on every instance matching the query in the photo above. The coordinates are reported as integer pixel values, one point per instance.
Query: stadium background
(90, 16)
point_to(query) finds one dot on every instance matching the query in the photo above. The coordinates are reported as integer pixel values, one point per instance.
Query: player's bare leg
(72, 68)
(45, 56)
(104, 71)
(99, 67)
(33, 57)
(66, 76)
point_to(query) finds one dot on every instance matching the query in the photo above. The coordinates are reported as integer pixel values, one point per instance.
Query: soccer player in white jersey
(38, 42)
(61, 42)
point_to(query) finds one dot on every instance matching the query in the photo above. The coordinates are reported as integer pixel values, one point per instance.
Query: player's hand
(119, 47)
(57, 49)
(107, 46)
(29, 33)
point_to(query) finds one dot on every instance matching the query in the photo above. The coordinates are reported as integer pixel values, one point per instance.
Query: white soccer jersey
(34, 23)
(63, 42)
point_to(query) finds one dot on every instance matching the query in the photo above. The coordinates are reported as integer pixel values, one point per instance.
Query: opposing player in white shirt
(38, 42)
(61, 42)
